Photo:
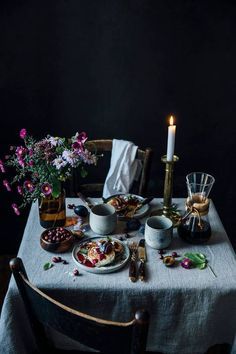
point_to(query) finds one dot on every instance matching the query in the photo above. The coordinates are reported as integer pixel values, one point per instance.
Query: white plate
(114, 266)
(139, 213)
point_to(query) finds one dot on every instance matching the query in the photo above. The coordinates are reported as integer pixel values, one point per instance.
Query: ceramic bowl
(56, 240)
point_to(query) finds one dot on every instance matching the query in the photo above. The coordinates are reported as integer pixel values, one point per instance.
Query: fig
(169, 261)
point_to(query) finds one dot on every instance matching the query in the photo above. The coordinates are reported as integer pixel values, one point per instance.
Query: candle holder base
(169, 209)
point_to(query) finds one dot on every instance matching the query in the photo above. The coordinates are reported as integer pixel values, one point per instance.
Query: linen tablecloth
(190, 310)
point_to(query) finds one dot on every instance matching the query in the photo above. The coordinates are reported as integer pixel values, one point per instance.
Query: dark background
(118, 69)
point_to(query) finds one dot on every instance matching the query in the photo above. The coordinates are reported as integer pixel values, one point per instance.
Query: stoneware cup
(158, 232)
(103, 219)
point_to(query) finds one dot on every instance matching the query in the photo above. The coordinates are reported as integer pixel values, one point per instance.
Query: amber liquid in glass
(191, 232)
(52, 211)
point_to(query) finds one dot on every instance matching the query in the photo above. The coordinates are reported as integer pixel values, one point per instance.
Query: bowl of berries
(56, 240)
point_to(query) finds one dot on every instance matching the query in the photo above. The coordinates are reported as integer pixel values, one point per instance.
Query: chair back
(99, 334)
(104, 147)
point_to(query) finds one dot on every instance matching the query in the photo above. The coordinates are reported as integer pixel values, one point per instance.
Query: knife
(132, 265)
(142, 257)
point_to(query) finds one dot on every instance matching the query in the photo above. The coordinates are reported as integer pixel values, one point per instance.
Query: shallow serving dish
(119, 262)
(56, 239)
(129, 205)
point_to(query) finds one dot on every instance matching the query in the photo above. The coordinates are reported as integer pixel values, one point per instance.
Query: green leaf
(201, 266)
(196, 258)
(56, 188)
(47, 266)
(83, 172)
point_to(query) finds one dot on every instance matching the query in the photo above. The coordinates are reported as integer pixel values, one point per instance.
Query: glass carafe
(195, 227)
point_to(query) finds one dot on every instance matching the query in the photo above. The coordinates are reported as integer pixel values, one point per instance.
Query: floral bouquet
(41, 166)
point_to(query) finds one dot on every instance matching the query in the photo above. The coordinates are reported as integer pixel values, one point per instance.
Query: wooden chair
(103, 147)
(106, 336)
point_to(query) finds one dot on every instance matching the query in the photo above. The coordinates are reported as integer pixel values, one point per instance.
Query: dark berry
(75, 272)
(64, 261)
(174, 254)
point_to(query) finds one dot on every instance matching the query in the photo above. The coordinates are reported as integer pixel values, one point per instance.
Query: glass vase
(195, 227)
(52, 211)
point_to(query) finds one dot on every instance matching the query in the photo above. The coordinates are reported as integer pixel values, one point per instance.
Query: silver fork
(133, 246)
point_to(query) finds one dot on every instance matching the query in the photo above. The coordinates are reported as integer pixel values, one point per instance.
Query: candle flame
(171, 121)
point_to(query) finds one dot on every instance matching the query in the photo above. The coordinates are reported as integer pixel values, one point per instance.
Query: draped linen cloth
(124, 168)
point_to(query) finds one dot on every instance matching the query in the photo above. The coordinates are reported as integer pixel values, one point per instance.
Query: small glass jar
(52, 211)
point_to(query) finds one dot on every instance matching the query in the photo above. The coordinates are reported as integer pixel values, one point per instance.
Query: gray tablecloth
(190, 310)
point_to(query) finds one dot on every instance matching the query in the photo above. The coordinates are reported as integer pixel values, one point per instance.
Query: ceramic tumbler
(158, 232)
(103, 219)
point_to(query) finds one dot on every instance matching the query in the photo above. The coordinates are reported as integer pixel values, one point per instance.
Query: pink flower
(76, 145)
(29, 186)
(23, 133)
(15, 208)
(46, 189)
(7, 185)
(82, 137)
(20, 151)
(2, 167)
(31, 163)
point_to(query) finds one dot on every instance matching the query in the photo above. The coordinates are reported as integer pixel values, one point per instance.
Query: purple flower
(29, 186)
(23, 133)
(20, 190)
(88, 157)
(70, 156)
(15, 208)
(186, 263)
(46, 189)
(59, 163)
(31, 163)
(7, 185)
(2, 167)
(21, 162)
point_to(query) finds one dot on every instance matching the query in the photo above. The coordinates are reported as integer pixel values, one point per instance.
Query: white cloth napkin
(124, 168)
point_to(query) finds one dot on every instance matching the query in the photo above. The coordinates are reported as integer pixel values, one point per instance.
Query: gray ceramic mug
(103, 219)
(158, 232)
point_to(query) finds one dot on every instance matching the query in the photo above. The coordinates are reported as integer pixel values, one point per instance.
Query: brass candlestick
(168, 186)
(168, 210)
